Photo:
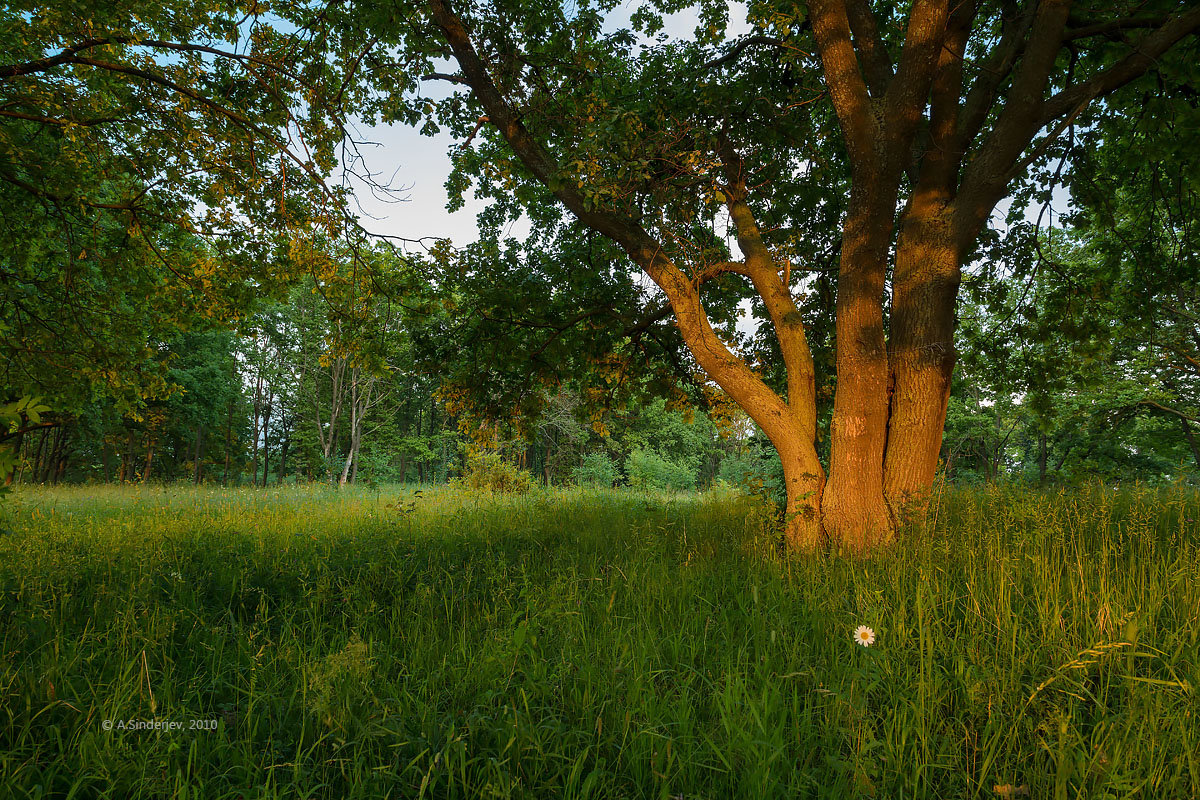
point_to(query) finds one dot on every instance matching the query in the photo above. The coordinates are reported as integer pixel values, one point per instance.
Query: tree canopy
(901, 126)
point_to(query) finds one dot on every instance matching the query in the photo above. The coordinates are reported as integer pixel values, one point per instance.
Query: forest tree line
(186, 295)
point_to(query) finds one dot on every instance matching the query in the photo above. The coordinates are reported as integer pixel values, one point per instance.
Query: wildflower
(864, 636)
(176, 576)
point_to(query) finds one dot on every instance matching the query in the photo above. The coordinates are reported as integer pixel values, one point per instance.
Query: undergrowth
(593, 643)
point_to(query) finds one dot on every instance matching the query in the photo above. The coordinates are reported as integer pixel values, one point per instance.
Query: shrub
(757, 471)
(648, 470)
(596, 469)
(487, 472)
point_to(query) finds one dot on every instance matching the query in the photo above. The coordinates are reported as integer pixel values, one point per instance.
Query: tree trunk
(17, 446)
(22, 458)
(197, 454)
(1191, 440)
(36, 467)
(228, 443)
(50, 463)
(1043, 458)
(804, 485)
(854, 510)
(921, 357)
(266, 434)
(150, 443)
(283, 453)
(345, 476)
(255, 431)
(123, 473)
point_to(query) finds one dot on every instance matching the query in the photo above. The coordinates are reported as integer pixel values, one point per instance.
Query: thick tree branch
(785, 317)
(993, 72)
(445, 76)
(1112, 26)
(872, 53)
(10, 434)
(43, 64)
(1145, 53)
(909, 91)
(986, 176)
(736, 51)
(939, 166)
(713, 356)
(847, 90)
(1168, 410)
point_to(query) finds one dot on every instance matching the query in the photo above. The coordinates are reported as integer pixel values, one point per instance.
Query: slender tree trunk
(124, 470)
(17, 446)
(255, 431)
(36, 467)
(197, 454)
(52, 455)
(266, 434)
(228, 443)
(150, 443)
(22, 457)
(345, 476)
(283, 453)
(1043, 458)
(1191, 440)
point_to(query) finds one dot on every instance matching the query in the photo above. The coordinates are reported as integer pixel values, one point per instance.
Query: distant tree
(159, 159)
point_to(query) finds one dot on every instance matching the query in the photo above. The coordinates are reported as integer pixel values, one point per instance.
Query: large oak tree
(920, 116)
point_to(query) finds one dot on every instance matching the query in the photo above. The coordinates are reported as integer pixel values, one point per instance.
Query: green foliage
(575, 644)
(757, 470)
(595, 469)
(488, 472)
(163, 165)
(647, 469)
(14, 418)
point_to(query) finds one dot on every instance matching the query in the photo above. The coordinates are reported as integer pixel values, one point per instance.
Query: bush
(487, 472)
(648, 470)
(596, 469)
(757, 470)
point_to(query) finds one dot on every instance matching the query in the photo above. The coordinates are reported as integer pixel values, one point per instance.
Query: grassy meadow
(592, 644)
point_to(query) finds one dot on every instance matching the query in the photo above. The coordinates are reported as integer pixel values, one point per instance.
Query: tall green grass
(593, 644)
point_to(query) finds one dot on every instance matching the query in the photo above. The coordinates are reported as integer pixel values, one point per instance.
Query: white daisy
(864, 636)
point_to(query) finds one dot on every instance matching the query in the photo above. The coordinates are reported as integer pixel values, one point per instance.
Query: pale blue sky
(420, 164)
